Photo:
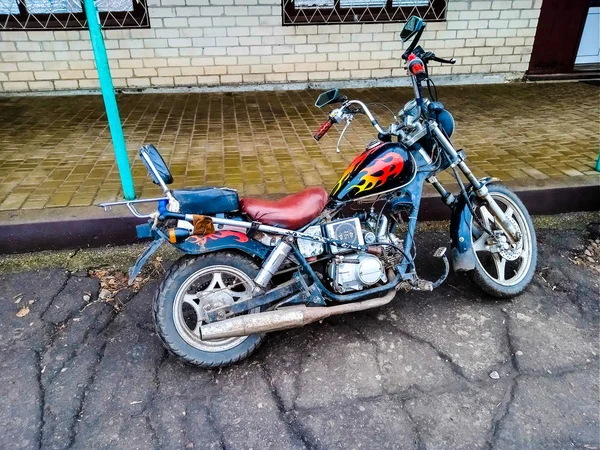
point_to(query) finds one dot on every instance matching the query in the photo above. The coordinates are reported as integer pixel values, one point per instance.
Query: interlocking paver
(56, 151)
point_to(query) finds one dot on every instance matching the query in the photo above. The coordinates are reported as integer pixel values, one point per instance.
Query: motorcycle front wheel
(196, 284)
(503, 272)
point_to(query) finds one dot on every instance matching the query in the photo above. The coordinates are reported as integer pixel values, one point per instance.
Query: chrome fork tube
(272, 263)
(481, 190)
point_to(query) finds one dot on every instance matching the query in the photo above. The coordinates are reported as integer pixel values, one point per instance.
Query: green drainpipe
(598, 161)
(110, 101)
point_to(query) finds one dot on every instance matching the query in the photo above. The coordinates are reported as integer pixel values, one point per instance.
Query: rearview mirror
(412, 27)
(157, 168)
(327, 97)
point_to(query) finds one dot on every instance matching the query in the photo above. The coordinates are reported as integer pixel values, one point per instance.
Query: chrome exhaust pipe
(285, 318)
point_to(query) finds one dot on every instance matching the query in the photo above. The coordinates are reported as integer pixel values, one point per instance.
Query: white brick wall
(224, 42)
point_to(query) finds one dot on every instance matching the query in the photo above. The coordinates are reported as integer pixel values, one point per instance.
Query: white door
(589, 47)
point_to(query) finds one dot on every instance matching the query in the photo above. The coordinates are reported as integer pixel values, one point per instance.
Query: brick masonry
(232, 42)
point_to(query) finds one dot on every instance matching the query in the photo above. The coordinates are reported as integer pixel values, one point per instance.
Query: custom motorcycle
(253, 266)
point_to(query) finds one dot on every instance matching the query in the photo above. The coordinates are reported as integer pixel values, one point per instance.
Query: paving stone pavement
(56, 151)
(412, 375)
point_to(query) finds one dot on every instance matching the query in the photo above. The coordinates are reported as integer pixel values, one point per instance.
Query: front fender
(463, 256)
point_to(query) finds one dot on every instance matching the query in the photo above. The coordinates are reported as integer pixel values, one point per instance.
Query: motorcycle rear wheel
(195, 283)
(506, 273)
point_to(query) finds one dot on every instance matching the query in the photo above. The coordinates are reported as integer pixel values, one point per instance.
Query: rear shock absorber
(272, 263)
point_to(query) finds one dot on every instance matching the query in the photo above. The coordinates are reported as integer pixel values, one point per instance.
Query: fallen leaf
(23, 311)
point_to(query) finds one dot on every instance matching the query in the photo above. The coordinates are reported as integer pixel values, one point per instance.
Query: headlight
(446, 121)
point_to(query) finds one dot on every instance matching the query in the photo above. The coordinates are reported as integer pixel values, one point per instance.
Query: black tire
(479, 275)
(164, 299)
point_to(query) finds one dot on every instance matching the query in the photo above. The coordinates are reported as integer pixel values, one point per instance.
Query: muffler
(284, 318)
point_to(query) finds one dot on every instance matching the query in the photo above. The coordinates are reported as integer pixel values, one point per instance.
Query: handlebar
(346, 112)
(323, 129)
(418, 59)
(367, 113)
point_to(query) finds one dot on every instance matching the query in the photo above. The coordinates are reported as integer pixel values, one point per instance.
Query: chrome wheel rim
(205, 289)
(507, 266)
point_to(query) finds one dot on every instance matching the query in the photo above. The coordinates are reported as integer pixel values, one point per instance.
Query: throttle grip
(416, 67)
(323, 129)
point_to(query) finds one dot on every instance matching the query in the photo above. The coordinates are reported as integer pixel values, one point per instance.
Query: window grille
(310, 12)
(69, 14)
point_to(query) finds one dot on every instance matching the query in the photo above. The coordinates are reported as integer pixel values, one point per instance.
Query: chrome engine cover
(353, 272)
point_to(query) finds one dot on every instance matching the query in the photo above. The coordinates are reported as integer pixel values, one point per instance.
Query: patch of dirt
(113, 281)
(590, 256)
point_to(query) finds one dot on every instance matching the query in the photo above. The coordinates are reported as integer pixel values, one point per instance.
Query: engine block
(355, 271)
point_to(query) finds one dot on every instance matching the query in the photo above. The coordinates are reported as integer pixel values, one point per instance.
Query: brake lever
(443, 61)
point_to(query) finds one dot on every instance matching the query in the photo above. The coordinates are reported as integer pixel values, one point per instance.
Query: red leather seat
(291, 212)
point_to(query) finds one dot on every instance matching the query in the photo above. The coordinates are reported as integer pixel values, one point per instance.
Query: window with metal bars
(69, 14)
(311, 12)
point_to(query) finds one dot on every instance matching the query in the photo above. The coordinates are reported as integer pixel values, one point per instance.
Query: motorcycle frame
(409, 195)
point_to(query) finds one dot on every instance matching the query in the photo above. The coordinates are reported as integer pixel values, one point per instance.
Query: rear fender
(137, 267)
(199, 245)
(463, 256)
(223, 240)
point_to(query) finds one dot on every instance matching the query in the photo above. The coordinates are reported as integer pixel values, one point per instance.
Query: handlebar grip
(416, 67)
(323, 129)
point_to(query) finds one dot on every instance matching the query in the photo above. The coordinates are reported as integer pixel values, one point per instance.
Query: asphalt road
(412, 375)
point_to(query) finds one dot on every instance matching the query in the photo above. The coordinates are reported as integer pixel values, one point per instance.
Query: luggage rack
(131, 205)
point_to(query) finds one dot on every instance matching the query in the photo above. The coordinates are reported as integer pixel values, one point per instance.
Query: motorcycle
(253, 266)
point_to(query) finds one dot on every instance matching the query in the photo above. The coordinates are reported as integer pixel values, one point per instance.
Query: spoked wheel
(194, 286)
(501, 269)
(207, 289)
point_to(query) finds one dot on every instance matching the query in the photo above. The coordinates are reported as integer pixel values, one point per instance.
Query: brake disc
(512, 254)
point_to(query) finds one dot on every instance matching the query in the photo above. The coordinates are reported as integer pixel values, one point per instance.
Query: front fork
(512, 233)
(482, 192)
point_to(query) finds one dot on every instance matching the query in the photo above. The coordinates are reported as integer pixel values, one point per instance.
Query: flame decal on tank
(379, 172)
(353, 165)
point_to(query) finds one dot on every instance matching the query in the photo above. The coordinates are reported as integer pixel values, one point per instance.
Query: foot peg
(423, 285)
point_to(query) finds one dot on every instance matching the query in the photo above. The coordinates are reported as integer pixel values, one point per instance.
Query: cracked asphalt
(412, 375)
